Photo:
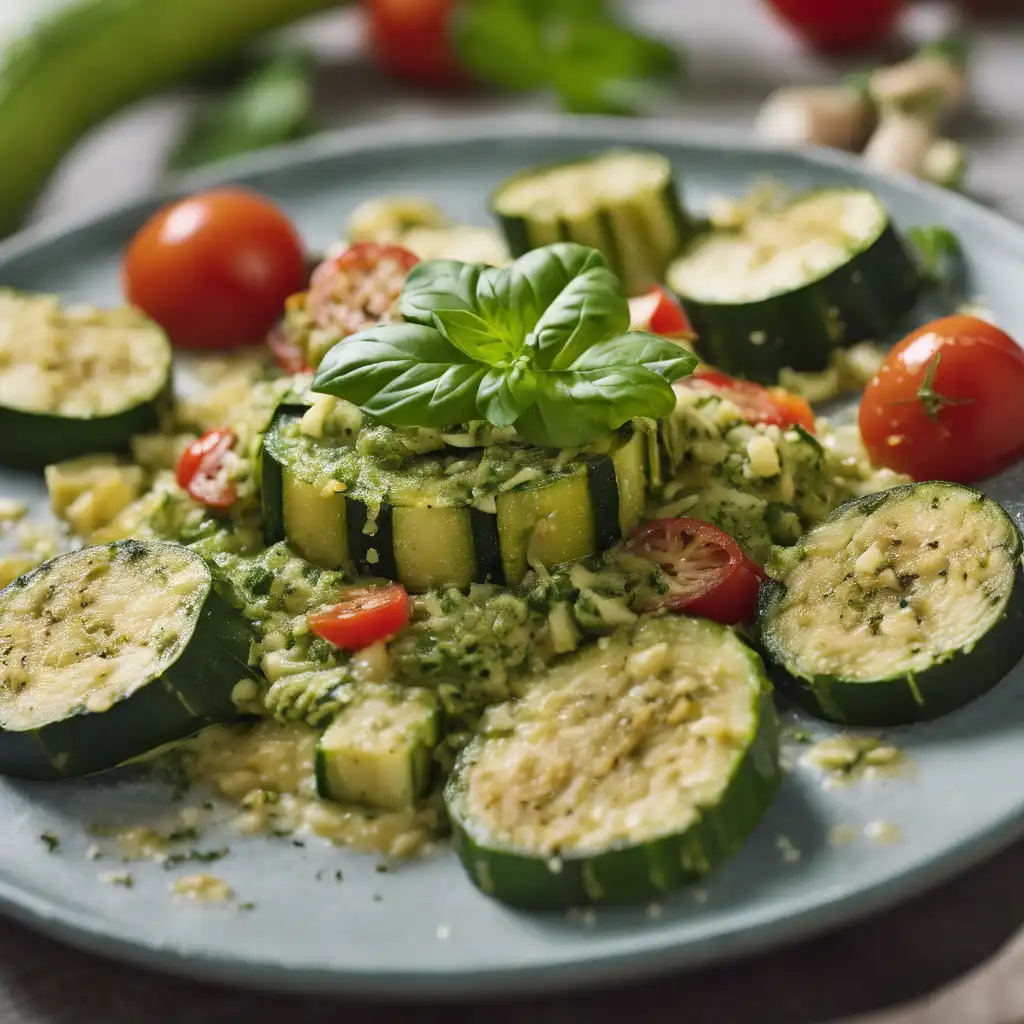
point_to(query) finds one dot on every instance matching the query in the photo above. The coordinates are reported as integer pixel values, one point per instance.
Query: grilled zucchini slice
(109, 652)
(76, 381)
(897, 607)
(793, 284)
(624, 203)
(631, 767)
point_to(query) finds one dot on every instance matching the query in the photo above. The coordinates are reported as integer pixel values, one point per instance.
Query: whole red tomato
(946, 404)
(214, 269)
(411, 39)
(835, 26)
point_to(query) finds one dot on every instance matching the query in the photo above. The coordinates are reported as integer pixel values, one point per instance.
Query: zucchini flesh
(626, 770)
(377, 752)
(791, 285)
(76, 382)
(897, 607)
(109, 652)
(624, 203)
(413, 534)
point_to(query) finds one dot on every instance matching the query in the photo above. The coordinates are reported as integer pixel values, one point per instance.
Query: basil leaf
(435, 285)
(659, 355)
(505, 395)
(405, 374)
(567, 299)
(573, 408)
(473, 335)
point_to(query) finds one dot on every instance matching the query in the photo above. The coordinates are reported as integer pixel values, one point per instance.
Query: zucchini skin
(123, 50)
(629, 874)
(40, 439)
(903, 698)
(191, 693)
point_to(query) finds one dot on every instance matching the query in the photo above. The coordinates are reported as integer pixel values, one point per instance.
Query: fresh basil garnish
(542, 345)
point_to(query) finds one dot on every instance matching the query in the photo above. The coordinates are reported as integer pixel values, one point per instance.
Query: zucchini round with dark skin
(897, 607)
(623, 203)
(109, 652)
(630, 768)
(792, 285)
(77, 381)
(425, 525)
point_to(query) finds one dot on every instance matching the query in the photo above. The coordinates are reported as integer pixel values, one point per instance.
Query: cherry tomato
(834, 26)
(286, 352)
(658, 312)
(359, 288)
(411, 39)
(709, 575)
(946, 404)
(202, 471)
(366, 615)
(772, 406)
(215, 269)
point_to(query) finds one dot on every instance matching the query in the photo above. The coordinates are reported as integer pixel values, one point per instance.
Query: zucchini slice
(377, 752)
(793, 284)
(424, 524)
(76, 381)
(897, 607)
(111, 651)
(630, 768)
(625, 203)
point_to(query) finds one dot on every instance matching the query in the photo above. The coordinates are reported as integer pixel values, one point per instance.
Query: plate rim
(648, 954)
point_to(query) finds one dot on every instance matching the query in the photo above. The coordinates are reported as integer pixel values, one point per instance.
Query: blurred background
(931, 89)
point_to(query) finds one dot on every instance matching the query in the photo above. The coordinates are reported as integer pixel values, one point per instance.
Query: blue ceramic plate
(422, 929)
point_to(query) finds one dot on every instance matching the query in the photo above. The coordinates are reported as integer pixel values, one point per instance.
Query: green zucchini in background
(83, 62)
(112, 651)
(637, 765)
(897, 607)
(793, 284)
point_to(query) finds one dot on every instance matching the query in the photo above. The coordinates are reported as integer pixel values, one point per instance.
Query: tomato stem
(932, 401)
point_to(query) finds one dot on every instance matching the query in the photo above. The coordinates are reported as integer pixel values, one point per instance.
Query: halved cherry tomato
(946, 404)
(835, 26)
(658, 312)
(360, 287)
(708, 573)
(412, 39)
(366, 615)
(215, 269)
(201, 469)
(287, 353)
(772, 406)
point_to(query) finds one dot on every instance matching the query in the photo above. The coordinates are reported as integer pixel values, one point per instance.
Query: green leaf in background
(576, 47)
(541, 345)
(937, 250)
(272, 104)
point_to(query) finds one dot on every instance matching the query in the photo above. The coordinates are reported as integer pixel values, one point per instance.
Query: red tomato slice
(360, 287)
(658, 312)
(946, 404)
(710, 576)
(202, 472)
(366, 615)
(287, 354)
(773, 406)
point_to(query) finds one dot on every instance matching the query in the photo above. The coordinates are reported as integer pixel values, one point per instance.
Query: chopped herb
(51, 842)
(298, 842)
(381, 869)
(199, 856)
(121, 878)
(377, 898)
(801, 736)
(246, 906)
(182, 835)
(208, 805)
(319, 874)
(338, 876)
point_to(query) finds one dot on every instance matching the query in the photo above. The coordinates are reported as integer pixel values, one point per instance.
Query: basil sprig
(542, 345)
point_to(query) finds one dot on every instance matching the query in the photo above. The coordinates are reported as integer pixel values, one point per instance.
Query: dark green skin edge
(605, 500)
(630, 874)
(124, 50)
(870, 293)
(487, 547)
(45, 438)
(193, 692)
(271, 477)
(904, 698)
(360, 543)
